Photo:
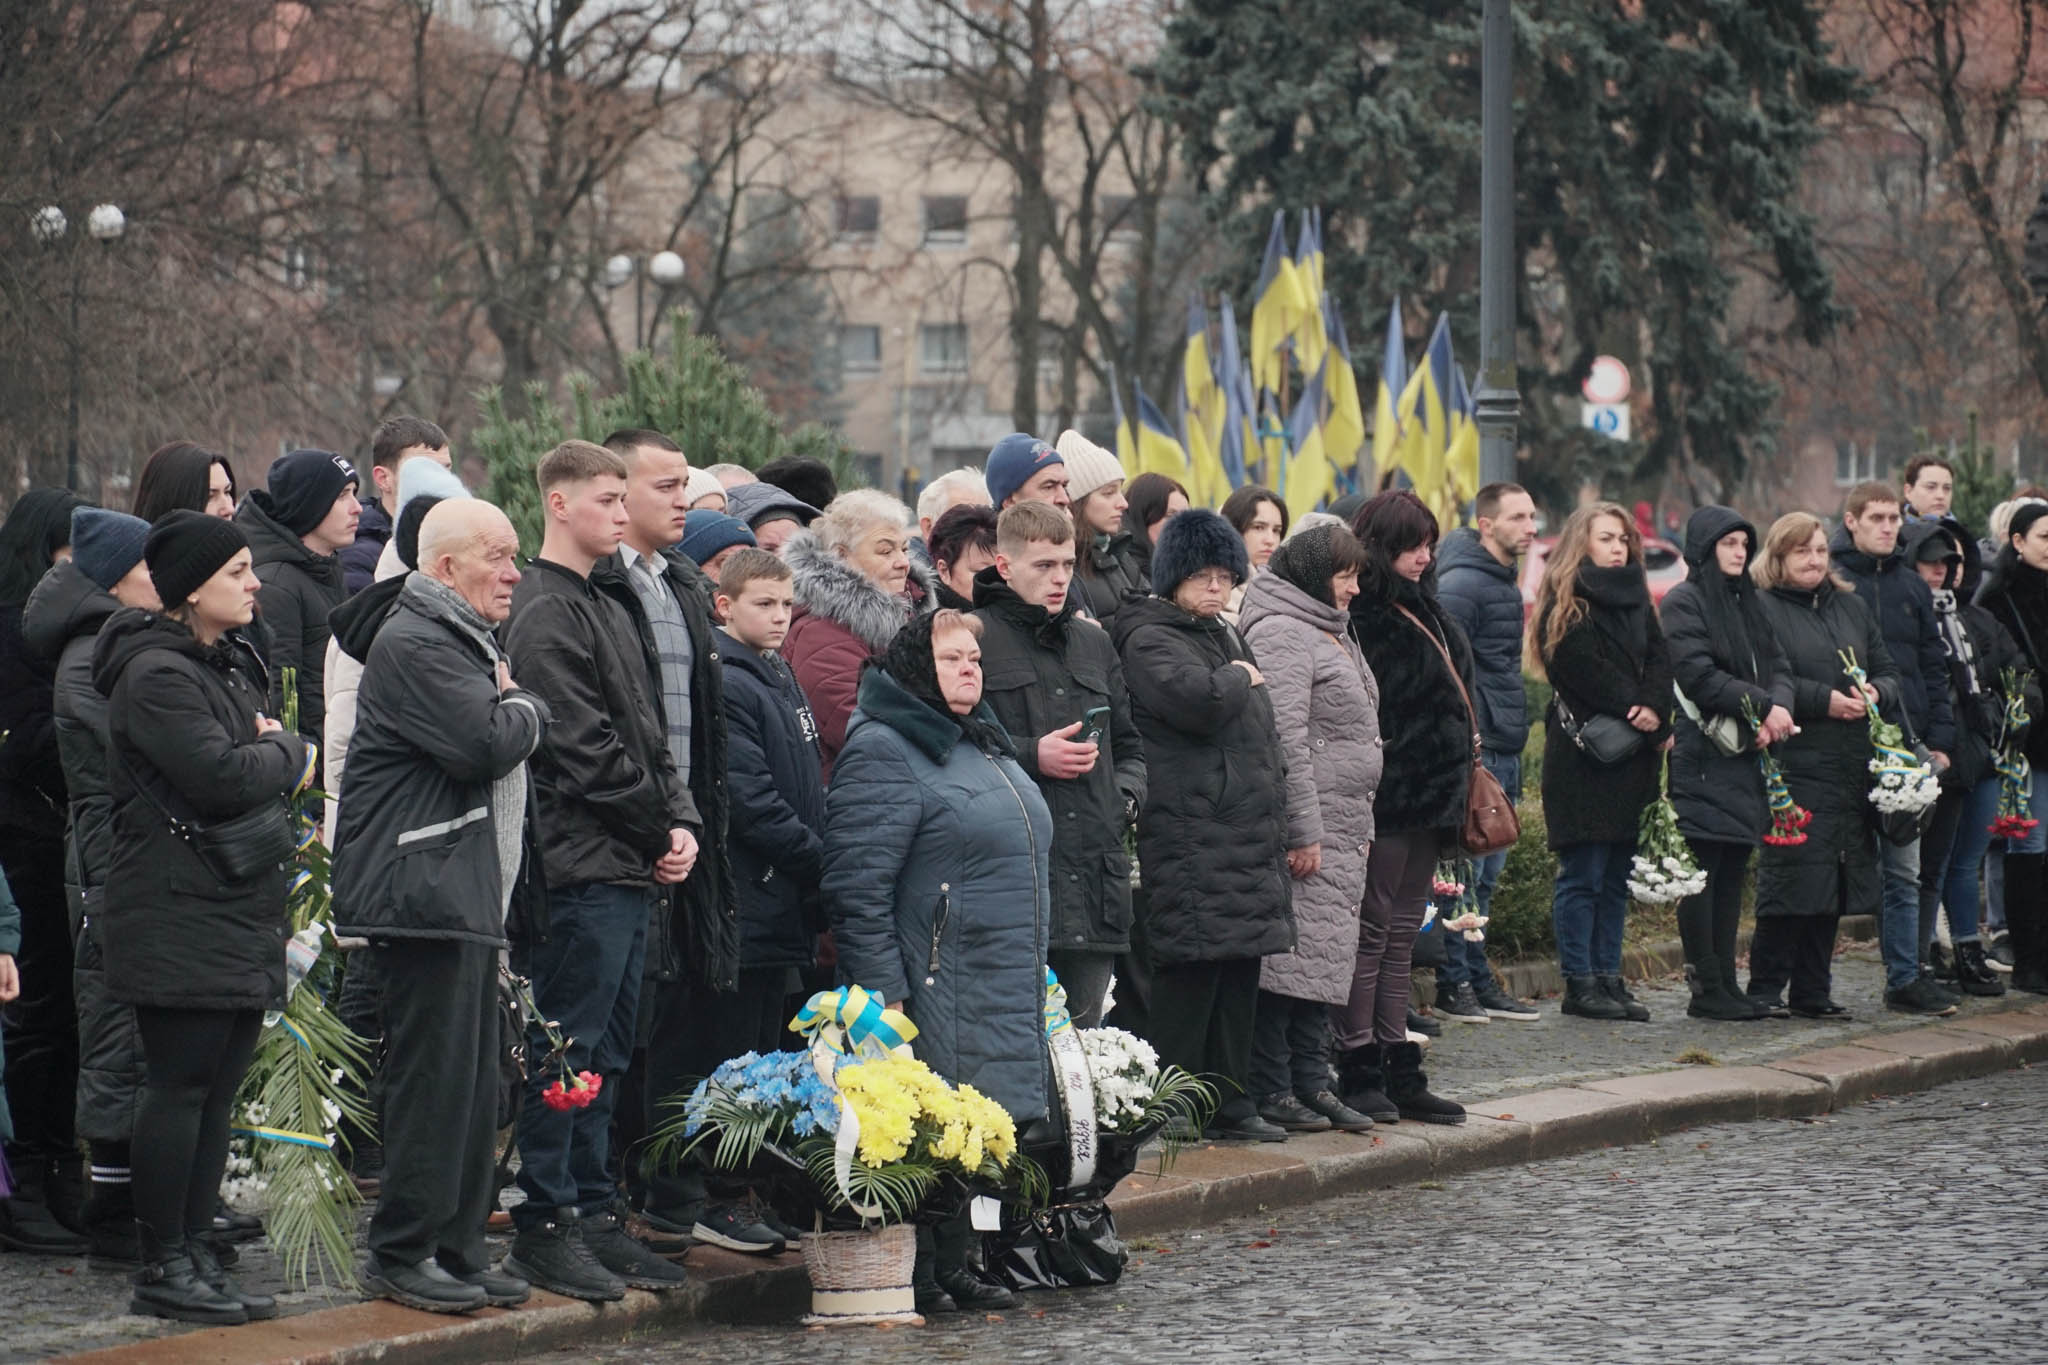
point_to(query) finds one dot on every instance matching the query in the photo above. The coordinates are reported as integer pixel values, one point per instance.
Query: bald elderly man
(428, 856)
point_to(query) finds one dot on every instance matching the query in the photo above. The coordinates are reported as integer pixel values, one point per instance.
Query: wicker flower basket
(861, 1277)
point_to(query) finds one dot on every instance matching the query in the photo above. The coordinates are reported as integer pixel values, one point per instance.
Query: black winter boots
(1409, 1088)
(170, 1285)
(1584, 997)
(1362, 1083)
(1711, 998)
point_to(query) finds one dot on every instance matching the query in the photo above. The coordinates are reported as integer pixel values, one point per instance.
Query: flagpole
(1498, 404)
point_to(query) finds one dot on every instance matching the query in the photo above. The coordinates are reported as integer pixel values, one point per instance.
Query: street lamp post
(665, 268)
(1498, 402)
(106, 224)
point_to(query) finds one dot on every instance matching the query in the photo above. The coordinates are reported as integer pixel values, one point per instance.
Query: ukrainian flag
(1311, 343)
(1386, 422)
(1425, 422)
(1344, 427)
(1462, 460)
(1276, 305)
(1159, 450)
(1202, 410)
(1310, 480)
(1235, 444)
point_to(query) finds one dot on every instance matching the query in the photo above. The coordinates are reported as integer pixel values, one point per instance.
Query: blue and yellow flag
(1235, 445)
(1158, 449)
(1386, 422)
(1461, 461)
(1276, 305)
(1310, 481)
(1425, 422)
(1202, 411)
(1344, 427)
(1311, 342)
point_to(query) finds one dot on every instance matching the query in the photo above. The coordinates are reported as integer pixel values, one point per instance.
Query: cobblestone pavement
(61, 1305)
(1904, 1230)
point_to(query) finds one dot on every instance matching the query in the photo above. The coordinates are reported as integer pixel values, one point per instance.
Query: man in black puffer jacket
(1866, 551)
(427, 855)
(1477, 587)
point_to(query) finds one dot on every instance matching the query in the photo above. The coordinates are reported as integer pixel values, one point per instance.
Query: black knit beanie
(185, 548)
(302, 487)
(1305, 560)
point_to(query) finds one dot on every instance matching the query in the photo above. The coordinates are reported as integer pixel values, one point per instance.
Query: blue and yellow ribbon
(285, 1135)
(853, 1019)
(1057, 1019)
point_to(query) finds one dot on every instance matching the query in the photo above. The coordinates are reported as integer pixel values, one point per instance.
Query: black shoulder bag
(241, 847)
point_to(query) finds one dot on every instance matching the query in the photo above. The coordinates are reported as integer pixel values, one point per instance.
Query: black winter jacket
(1107, 577)
(2016, 597)
(1041, 673)
(1974, 687)
(1598, 668)
(776, 777)
(1482, 595)
(1212, 833)
(1719, 797)
(697, 924)
(62, 620)
(1827, 764)
(416, 848)
(32, 800)
(299, 589)
(606, 782)
(1424, 725)
(181, 718)
(359, 561)
(1904, 609)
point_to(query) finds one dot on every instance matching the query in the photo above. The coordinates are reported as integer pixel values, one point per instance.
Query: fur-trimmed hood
(826, 585)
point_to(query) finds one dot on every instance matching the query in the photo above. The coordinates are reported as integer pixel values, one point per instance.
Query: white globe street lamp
(666, 269)
(106, 224)
(48, 223)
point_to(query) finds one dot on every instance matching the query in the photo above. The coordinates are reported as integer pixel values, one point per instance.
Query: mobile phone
(1093, 722)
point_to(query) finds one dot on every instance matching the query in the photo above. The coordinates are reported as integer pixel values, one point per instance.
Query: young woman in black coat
(199, 958)
(1412, 646)
(2016, 592)
(1594, 635)
(1803, 890)
(1722, 655)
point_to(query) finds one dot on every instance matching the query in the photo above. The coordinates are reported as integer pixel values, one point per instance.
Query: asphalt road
(1903, 1230)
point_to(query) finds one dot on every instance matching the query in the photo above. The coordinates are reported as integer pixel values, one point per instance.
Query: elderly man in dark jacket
(426, 858)
(1054, 680)
(615, 833)
(1866, 552)
(1477, 586)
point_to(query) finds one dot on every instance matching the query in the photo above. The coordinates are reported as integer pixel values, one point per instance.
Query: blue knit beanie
(1012, 463)
(106, 545)
(706, 532)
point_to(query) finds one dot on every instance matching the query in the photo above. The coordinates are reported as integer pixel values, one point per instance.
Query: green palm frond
(898, 1188)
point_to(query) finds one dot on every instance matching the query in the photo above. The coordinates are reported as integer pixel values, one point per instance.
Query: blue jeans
(1591, 900)
(1464, 959)
(586, 977)
(1966, 858)
(1898, 927)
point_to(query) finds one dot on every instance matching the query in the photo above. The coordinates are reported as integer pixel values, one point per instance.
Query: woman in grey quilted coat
(1326, 708)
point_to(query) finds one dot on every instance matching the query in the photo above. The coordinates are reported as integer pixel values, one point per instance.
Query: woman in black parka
(1594, 636)
(199, 959)
(1803, 890)
(1212, 832)
(1722, 655)
(1426, 730)
(2015, 591)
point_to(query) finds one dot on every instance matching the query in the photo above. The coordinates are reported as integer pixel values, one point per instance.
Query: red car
(1663, 565)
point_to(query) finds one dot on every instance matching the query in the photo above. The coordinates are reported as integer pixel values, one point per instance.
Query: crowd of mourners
(732, 736)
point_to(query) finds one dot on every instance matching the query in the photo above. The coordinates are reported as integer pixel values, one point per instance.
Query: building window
(945, 220)
(1120, 217)
(856, 215)
(942, 347)
(1052, 346)
(1855, 463)
(860, 348)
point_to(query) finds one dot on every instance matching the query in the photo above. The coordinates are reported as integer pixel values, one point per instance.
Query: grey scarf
(1955, 641)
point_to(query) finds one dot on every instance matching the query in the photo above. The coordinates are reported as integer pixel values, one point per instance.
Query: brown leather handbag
(1490, 820)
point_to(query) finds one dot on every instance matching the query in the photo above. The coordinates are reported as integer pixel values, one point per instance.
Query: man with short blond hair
(427, 858)
(1055, 682)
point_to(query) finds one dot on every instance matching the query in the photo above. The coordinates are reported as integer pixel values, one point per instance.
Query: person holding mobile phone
(1053, 678)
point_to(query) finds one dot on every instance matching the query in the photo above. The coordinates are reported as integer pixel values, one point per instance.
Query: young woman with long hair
(1594, 635)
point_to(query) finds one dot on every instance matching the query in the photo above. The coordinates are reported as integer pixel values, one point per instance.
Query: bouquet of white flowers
(1663, 870)
(1903, 783)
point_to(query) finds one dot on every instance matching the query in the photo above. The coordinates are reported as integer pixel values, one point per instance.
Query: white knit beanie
(1089, 466)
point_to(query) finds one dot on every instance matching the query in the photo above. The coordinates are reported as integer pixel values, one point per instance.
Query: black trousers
(1290, 1046)
(1799, 949)
(195, 1061)
(1709, 923)
(696, 1028)
(437, 1093)
(1201, 1020)
(41, 1024)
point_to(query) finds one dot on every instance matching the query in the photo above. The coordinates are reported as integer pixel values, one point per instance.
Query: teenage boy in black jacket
(616, 830)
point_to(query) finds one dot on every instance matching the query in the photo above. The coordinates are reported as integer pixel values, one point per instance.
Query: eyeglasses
(1212, 578)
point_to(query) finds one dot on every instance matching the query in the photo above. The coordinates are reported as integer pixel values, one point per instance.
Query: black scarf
(910, 662)
(1622, 596)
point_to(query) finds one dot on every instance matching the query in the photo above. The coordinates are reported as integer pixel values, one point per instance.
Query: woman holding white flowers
(1728, 669)
(2016, 592)
(1803, 890)
(1594, 635)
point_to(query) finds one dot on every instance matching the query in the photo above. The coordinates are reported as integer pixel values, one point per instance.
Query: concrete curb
(1206, 1184)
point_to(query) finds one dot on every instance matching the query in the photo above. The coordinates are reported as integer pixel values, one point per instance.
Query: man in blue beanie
(1023, 468)
(710, 538)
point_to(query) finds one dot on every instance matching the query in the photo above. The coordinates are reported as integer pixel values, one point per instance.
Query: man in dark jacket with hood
(426, 859)
(297, 527)
(1477, 586)
(616, 832)
(1054, 680)
(61, 622)
(1866, 551)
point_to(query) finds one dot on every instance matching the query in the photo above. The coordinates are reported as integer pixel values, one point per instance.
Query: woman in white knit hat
(1095, 483)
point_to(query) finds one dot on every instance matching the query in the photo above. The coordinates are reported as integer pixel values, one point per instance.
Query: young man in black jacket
(427, 855)
(693, 941)
(615, 832)
(1055, 682)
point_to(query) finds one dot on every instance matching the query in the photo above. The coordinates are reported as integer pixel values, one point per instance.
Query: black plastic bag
(1075, 1247)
